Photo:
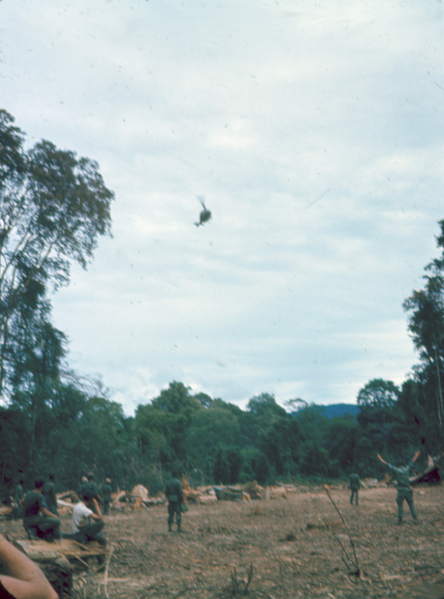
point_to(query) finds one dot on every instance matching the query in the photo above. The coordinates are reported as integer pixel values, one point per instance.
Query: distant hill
(337, 410)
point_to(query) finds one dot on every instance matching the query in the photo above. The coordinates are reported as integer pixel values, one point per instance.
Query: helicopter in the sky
(205, 214)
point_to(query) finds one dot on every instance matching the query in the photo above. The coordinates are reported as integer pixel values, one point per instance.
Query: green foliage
(227, 465)
(162, 426)
(426, 324)
(378, 394)
(210, 429)
(255, 466)
(53, 208)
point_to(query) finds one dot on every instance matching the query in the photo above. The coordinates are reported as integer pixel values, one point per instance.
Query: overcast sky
(314, 129)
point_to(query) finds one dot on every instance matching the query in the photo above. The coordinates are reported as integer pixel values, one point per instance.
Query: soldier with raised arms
(401, 474)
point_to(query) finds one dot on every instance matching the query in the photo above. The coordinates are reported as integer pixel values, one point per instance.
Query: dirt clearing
(274, 549)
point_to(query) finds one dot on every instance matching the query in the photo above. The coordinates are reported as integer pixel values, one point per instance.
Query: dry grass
(279, 549)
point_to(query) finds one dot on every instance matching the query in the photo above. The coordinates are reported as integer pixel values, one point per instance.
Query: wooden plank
(42, 551)
(39, 551)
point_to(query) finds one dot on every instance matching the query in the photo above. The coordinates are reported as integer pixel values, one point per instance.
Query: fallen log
(230, 493)
(154, 501)
(254, 490)
(207, 499)
(275, 493)
(67, 495)
(192, 495)
(61, 503)
(6, 513)
(431, 472)
(118, 496)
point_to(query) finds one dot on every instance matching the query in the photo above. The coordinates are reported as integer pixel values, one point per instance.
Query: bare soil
(291, 548)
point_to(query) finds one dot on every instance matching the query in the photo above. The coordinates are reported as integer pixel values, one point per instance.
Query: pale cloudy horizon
(313, 130)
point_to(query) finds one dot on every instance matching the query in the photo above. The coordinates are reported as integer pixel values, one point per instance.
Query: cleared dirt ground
(284, 543)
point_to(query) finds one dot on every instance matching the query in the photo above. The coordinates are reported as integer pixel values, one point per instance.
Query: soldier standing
(106, 495)
(82, 487)
(174, 493)
(355, 483)
(92, 488)
(404, 491)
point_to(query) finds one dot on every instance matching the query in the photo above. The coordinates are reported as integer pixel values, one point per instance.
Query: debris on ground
(290, 560)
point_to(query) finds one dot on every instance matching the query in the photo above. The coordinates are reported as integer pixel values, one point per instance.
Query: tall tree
(162, 425)
(53, 208)
(380, 418)
(426, 325)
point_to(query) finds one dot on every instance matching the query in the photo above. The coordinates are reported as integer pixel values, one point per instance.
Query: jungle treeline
(54, 207)
(209, 440)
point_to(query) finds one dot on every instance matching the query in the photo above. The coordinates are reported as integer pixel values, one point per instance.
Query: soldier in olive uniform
(355, 483)
(404, 491)
(38, 521)
(50, 495)
(18, 495)
(82, 487)
(91, 486)
(106, 495)
(174, 494)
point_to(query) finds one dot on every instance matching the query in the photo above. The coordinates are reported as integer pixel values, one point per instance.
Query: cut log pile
(139, 497)
(199, 495)
(231, 493)
(246, 492)
(430, 474)
(140, 491)
(276, 492)
(254, 490)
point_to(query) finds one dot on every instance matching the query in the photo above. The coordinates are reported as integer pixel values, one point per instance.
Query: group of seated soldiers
(40, 516)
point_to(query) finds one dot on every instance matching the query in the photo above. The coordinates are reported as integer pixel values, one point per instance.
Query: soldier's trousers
(354, 494)
(405, 493)
(91, 532)
(45, 527)
(174, 507)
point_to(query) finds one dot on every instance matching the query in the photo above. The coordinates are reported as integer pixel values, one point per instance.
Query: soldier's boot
(399, 523)
(179, 522)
